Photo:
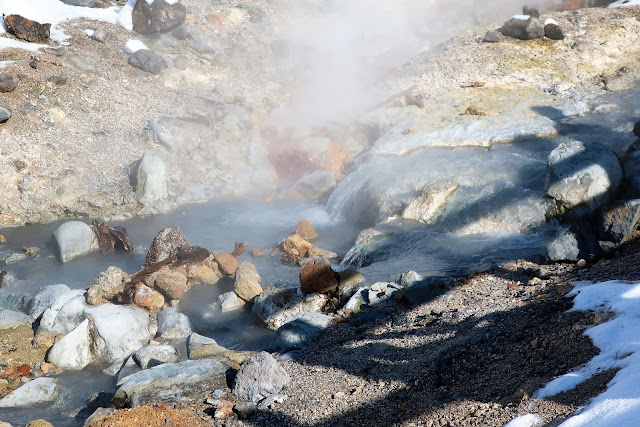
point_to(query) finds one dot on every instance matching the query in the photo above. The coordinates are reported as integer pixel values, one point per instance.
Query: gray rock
(229, 301)
(205, 45)
(564, 248)
(64, 314)
(182, 32)
(16, 256)
(158, 16)
(631, 164)
(423, 290)
(245, 410)
(8, 82)
(523, 29)
(175, 134)
(40, 390)
(153, 355)
(99, 36)
(313, 185)
(277, 306)
(170, 383)
(5, 114)
(74, 239)
(72, 351)
(493, 37)
(80, 63)
(148, 61)
(45, 297)
(98, 415)
(259, 377)
(302, 331)
(199, 347)
(173, 324)
(578, 173)
(151, 179)
(12, 319)
(554, 32)
(618, 221)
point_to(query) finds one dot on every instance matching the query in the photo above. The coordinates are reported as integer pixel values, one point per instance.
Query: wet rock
(580, 173)
(259, 377)
(5, 114)
(302, 331)
(27, 30)
(8, 83)
(36, 391)
(229, 301)
(158, 16)
(429, 202)
(74, 239)
(200, 347)
(553, 30)
(172, 284)
(154, 355)
(13, 319)
(165, 244)
(296, 246)
(170, 383)
(564, 248)
(523, 27)
(72, 351)
(305, 230)
(147, 298)
(247, 285)
(227, 264)
(493, 37)
(106, 286)
(349, 280)
(618, 221)
(276, 306)
(151, 179)
(318, 276)
(245, 410)
(172, 324)
(313, 185)
(148, 61)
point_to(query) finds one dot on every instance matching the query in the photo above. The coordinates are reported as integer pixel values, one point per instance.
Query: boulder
(296, 246)
(247, 284)
(170, 383)
(173, 324)
(158, 16)
(580, 173)
(74, 239)
(493, 37)
(148, 61)
(8, 83)
(229, 301)
(28, 30)
(170, 283)
(259, 377)
(106, 286)
(165, 244)
(276, 306)
(350, 281)
(154, 355)
(564, 248)
(64, 314)
(202, 274)
(200, 347)
(305, 230)
(45, 297)
(318, 276)
(227, 264)
(36, 391)
(523, 27)
(618, 221)
(552, 30)
(302, 331)
(13, 319)
(151, 179)
(147, 298)
(72, 351)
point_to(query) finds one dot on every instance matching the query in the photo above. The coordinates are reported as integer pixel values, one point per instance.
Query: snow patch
(625, 3)
(88, 32)
(528, 420)
(550, 21)
(133, 46)
(521, 17)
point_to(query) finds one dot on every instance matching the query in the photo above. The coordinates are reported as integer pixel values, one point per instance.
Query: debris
(112, 237)
(408, 131)
(474, 84)
(473, 111)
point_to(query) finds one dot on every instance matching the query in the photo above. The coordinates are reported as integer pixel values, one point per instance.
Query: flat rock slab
(170, 383)
(36, 391)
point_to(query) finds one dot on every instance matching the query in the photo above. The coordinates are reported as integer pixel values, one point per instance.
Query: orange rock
(46, 367)
(215, 19)
(227, 264)
(571, 5)
(24, 370)
(318, 276)
(224, 409)
(305, 230)
(257, 252)
(147, 298)
(296, 245)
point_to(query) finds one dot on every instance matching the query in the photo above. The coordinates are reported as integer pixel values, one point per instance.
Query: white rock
(65, 313)
(74, 239)
(41, 389)
(229, 301)
(73, 351)
(277, 306)
(153, 355)
(12, 319)
(173, 324)
(152, 179)
(45, 298)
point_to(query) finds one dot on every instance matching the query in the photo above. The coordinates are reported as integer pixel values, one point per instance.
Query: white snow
(528, 420)
(133, 46)
(550, 21)
(624, 3)
(521, 17)
(89, 32)
(618, 341)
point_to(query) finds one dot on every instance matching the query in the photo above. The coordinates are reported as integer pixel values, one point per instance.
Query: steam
(341, 50)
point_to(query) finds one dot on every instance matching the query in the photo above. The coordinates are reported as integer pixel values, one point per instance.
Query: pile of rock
(298, 249)
(527, 26)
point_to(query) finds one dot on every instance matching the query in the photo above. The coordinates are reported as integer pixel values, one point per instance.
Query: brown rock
(172, 284)
(107, 286)
(46, 367)
(39, 423)
(257, 252)
(157, 17)
(28, 30)
(305, 230)
(224, 409)
(296, 245)
(166, 243)
(227, 264)
(318, 276)
(147, 298)
(247, 284)
(202, 274)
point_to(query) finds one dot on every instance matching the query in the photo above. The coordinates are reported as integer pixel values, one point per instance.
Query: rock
(199, 347)
(205, 45)
(276, 306)
(531, 11)
(182, 32)
(165, 244)
(148, 61)
(99, 35)
(170, 383)
(313, 185)
(39, 423)
(420, 290)
(151, 179)
(493, 37)
(147, 298)
(81, 64)
(8, 83)
(12, 319)
(72, 351)
(564, 248)
(88, 3)
(578, 173)
(5, 114)
(259, 377)
(44, 298)
(618, 221)
(39, 390)
(106, 286)
(318, 276)
(202, 274)
(227, 264)
(229, 301)
(158, 16)
(245, 410)
(302, 331)
(636, 129)
(349, 283)
(154, 355)
(553, 30)
(429, 202)
(27, 30)
(64, 314)
(320, 253)
(305, 230)
(257, 252)
(523, 27)
(98, 416)
(173, 324)
(74, 239)
(296, 246)
(381, 292)
(117, 331)
(247, 285)
(172, 284)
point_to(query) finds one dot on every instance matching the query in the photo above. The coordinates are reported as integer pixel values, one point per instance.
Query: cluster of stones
(527, 26)
(298, 248)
